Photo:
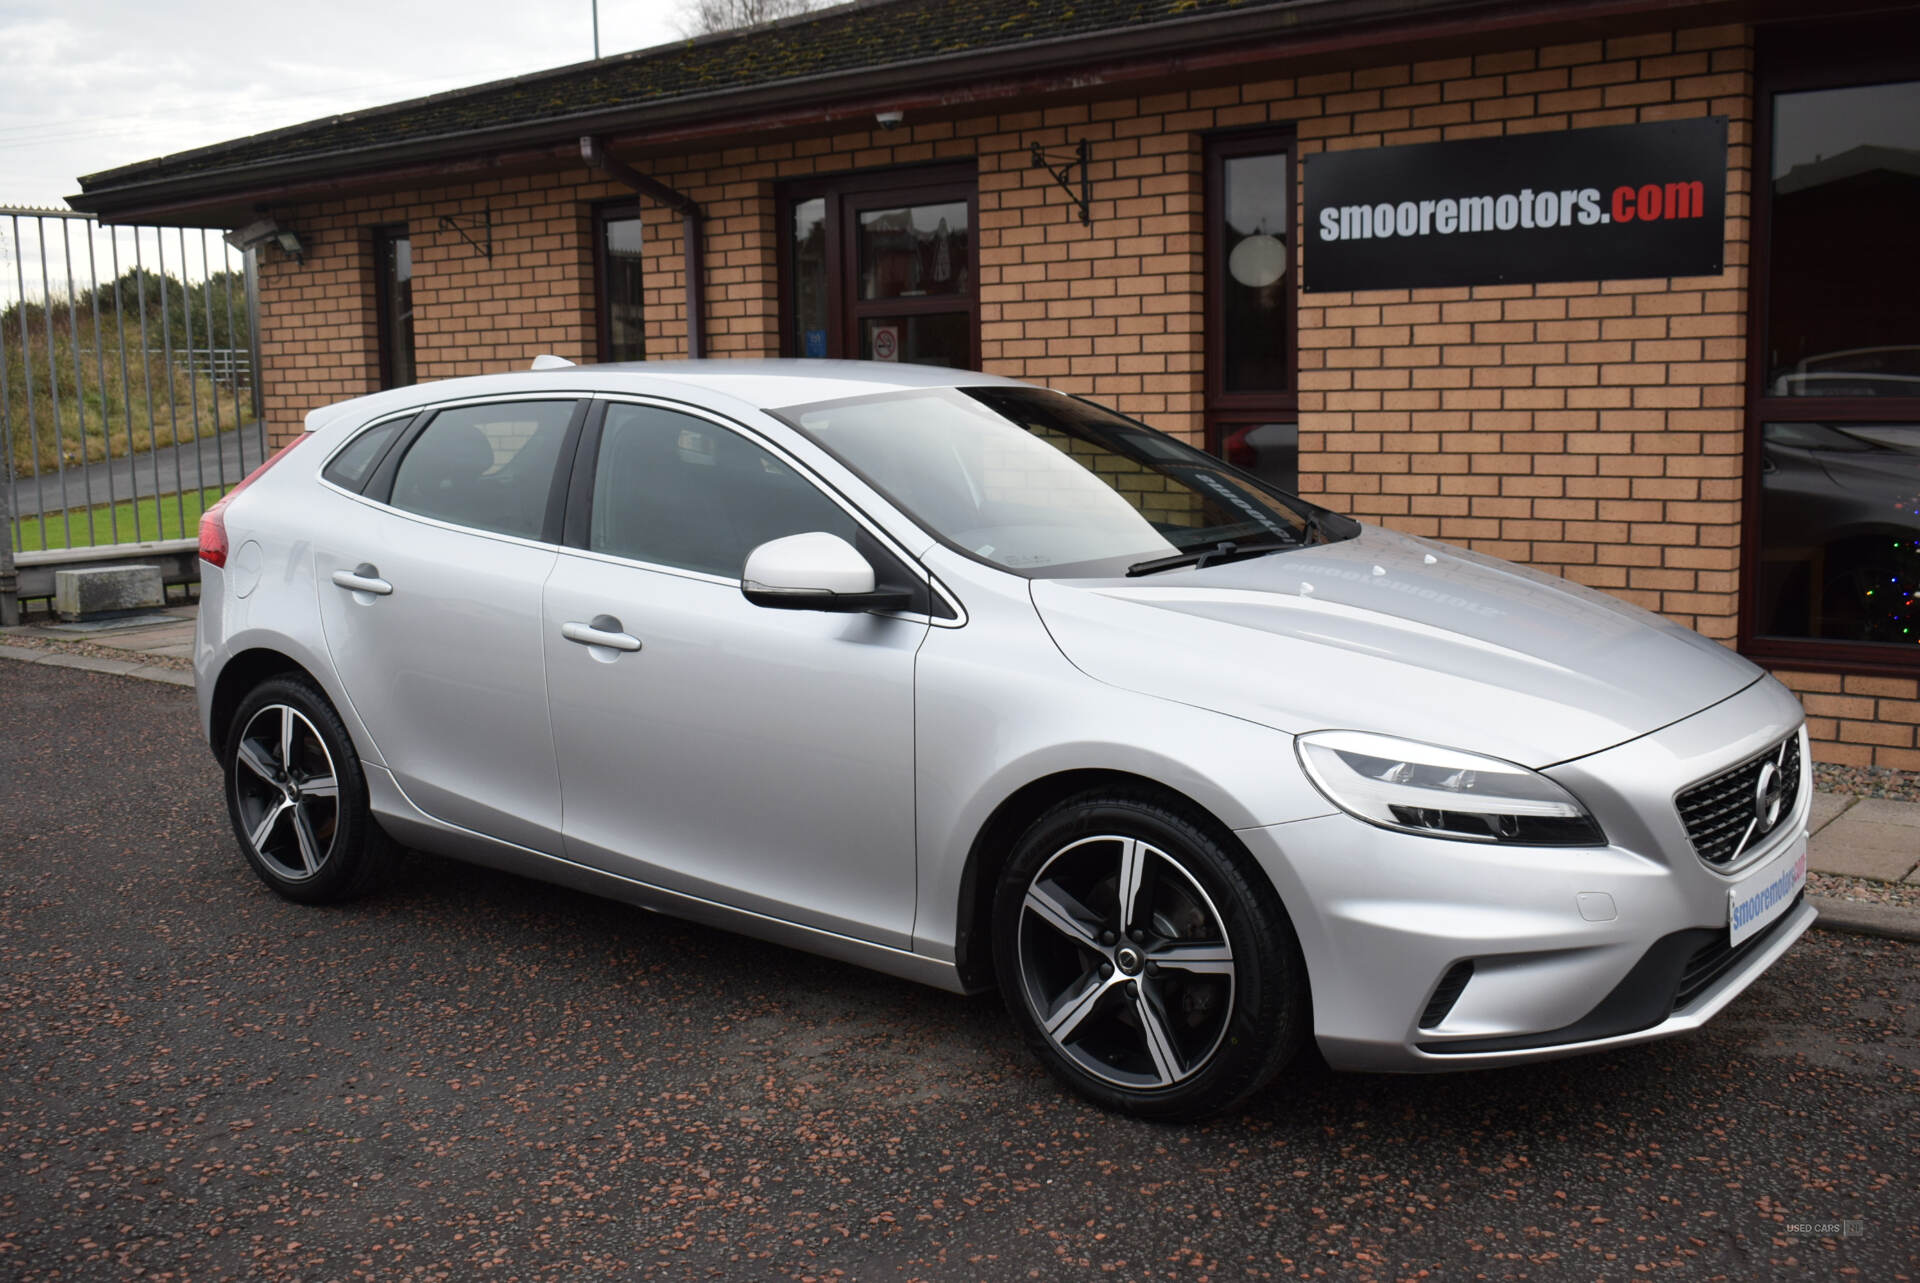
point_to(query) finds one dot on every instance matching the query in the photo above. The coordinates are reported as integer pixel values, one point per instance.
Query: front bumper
(1425, 954)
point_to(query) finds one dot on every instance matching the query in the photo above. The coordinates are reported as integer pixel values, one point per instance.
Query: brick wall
(1594, 430)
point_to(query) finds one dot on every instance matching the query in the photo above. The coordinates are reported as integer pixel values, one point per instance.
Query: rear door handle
(605, 630)
(364, 577)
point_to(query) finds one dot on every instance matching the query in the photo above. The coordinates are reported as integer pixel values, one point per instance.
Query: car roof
(765, 384)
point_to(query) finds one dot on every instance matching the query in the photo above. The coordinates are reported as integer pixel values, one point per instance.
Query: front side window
(675, 490)
(1836, 422)
(1252, 392)
(1044, 484)
(490, 467)
(623, 334)
(393, 281)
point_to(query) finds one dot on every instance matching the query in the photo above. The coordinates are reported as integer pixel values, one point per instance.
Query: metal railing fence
(129, 383)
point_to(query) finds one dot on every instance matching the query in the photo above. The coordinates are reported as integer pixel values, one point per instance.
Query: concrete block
(1828, 807)
(1865, 849)
(100, 592)
(1884, 810)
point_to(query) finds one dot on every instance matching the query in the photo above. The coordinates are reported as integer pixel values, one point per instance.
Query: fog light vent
(1447, 993)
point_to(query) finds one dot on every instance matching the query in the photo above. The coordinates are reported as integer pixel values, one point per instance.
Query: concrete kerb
(1891, 922)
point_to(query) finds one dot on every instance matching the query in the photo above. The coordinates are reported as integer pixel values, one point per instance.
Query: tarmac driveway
(475, 1076)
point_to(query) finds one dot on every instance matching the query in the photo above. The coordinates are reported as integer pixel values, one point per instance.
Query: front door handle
(364, 577)
(605, 630)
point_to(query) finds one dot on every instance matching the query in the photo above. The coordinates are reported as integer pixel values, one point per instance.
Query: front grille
(1719, 813)
(1711, 961)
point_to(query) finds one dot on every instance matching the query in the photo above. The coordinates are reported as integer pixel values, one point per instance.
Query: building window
(880, 267)
(622, 280)
(1833, 565)
(393, 288)
(1252, 390)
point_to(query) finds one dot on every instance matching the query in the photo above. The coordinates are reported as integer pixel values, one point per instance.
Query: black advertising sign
(1588, 204)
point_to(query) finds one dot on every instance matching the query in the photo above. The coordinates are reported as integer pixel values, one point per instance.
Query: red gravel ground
(474, 1076)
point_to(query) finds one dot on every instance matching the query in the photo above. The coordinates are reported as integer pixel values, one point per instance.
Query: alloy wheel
(288, 792)
(1125, 962)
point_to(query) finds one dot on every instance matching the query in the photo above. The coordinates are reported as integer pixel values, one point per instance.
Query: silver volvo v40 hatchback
(984, 685)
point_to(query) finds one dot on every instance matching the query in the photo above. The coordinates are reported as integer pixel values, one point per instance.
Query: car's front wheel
(298, 798)
(1148, 964)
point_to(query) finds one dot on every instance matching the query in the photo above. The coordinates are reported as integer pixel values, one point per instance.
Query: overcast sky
(87, 85)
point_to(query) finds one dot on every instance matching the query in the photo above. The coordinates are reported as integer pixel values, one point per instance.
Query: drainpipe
(594, 151)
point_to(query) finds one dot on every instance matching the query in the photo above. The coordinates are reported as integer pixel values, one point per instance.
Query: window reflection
(915, 250)
(810, 277)
(1270, 451)
(1844, 311)
(1254, 257)
(1840, 532)
(622, 290)
(393, 254)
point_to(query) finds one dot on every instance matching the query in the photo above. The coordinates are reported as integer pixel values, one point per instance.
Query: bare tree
(702, 17)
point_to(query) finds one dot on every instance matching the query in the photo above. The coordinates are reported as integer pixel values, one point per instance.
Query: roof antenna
(548, 361)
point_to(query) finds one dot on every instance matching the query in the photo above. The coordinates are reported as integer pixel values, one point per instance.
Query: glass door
(882, 268)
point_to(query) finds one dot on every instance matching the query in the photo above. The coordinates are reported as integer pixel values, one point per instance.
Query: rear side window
(490, 467)
(679, 491)
(351, 467)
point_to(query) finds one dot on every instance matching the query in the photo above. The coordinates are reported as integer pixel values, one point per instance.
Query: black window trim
(405, 418)
(383, 234)
(893, 565)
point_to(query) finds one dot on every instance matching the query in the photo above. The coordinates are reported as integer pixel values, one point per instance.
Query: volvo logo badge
(1767, 792)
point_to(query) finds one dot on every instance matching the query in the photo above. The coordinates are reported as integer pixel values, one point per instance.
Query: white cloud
(87, 85)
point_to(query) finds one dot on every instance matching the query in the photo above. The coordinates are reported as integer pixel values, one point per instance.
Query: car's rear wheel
(1150, 966)
(298, 798)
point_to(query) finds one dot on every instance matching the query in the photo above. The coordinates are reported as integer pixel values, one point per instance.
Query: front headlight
(1443, 792)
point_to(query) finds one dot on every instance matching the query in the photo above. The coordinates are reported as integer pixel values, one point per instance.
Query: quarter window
(352, 466)
(490, 467)
(679, 491)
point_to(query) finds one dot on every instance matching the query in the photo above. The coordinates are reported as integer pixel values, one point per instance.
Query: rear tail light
(213, 522)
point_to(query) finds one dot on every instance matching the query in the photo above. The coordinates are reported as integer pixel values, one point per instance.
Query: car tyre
(1175, 1007)
(297, 796)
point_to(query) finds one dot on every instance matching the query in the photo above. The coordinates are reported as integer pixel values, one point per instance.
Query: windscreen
(1044, 484)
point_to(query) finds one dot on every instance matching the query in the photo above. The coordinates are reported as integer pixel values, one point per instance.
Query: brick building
(1738, 448)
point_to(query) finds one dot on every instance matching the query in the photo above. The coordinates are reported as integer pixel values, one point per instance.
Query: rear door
(759, 758)
(430, 599)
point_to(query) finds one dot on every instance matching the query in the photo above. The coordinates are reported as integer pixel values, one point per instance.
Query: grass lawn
(165, 523)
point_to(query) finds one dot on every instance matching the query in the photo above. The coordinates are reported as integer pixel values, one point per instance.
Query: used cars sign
(1591, 204)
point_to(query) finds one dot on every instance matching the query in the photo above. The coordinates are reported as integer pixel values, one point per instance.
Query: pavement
(472, 1076)
(194, 465)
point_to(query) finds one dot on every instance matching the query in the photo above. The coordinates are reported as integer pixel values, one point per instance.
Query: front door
(759, 758)
(882, 268)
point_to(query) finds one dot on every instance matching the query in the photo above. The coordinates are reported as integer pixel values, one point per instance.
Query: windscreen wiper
(1224, 551)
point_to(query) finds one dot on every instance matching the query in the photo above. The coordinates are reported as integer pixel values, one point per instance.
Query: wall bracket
(1061, 162)
(466, 225)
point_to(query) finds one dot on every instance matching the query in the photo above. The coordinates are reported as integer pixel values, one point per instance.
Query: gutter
(593, 150)
(1261, 35)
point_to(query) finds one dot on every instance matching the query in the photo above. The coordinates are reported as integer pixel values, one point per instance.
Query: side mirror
(814, 571)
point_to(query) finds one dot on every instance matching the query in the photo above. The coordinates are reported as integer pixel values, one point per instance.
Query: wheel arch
(993, 844)
(242, 673)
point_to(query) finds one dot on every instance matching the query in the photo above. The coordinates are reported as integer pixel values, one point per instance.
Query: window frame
(915, 185)
(383, 236)
(603, 213)
(931, 602)
(1225, 411)
(1793, 59)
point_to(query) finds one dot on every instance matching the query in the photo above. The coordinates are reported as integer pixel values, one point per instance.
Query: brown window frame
(915, 184)
(1226, 410)
(382, 236)
(604, 212)
(1791, 59)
